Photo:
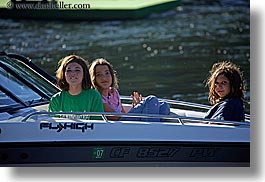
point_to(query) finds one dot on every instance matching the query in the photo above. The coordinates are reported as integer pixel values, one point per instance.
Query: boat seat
(187, 113)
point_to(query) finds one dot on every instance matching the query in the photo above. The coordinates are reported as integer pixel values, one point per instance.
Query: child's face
(222, 86)
(103, 76)
(74, 74)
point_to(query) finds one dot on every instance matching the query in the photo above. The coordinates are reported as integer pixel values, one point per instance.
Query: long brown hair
(233, 73)
(92, 72)
(60, 73)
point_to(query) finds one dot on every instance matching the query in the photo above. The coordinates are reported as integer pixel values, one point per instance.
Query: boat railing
(176, 102)
(183, 103)
(183, 120)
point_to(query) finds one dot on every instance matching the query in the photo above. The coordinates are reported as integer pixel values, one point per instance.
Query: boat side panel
(65, 130)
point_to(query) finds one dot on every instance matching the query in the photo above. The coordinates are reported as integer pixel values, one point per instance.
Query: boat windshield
(22, 86)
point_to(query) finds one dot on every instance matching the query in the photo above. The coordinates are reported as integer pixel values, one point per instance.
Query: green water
(167, 54)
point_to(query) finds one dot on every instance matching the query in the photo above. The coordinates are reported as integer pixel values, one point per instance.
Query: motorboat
(31, 136)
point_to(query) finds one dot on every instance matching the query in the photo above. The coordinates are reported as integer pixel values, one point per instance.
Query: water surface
(167, 54)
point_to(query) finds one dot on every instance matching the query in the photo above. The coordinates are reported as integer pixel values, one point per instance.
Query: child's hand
(136, 98)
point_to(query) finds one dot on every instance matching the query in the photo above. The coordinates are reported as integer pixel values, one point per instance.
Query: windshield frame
(30, 77)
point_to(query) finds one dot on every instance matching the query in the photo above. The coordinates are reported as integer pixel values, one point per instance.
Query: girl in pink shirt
(104, 79)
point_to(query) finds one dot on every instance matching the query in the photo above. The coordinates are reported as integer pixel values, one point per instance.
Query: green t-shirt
(87, 101)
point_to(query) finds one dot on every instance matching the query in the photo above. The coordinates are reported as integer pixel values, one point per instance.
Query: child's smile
(222, 86)
(103, 76)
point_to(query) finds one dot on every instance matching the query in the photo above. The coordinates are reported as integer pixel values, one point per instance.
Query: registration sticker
(98, 153)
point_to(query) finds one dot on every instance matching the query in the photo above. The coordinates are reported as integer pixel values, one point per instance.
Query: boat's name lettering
(150, 152)
(203, 152)
(64, 126)
(119, 152)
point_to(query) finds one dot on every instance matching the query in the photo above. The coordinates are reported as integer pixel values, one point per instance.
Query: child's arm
(107, 108)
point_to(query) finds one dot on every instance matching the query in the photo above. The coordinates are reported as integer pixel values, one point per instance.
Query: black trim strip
(86, 152)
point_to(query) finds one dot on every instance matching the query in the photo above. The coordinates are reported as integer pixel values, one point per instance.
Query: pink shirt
(113, 99)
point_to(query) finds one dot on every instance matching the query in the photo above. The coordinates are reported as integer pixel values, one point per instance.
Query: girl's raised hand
(136, 98)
